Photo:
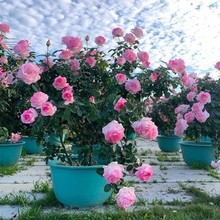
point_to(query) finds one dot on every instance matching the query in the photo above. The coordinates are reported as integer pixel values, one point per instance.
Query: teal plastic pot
(55, 139)
(10, 153)
(169, 143)
(205, 139)
(30, 145)
(202, 152)
(78, 186)
(131, 136)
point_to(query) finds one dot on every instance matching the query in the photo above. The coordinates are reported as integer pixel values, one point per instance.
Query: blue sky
(187, 29)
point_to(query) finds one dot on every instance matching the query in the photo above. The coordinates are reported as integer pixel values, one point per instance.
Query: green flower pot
(78, 186)
(55, 139)
(30, 145)
(201, 152)
(169, 143)
(10, 153)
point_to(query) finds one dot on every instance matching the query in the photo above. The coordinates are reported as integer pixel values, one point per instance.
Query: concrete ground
(169, 171)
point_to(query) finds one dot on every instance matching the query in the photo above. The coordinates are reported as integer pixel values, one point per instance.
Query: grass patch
(41, 187)
(167, 157)
(9, 170)
(200, 166)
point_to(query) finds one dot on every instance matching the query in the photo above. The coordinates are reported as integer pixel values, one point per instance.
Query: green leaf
(100, 171)
(107, 188)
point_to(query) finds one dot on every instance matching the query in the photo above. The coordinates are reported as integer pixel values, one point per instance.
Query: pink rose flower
(146, 128)
(22, 48)
(177, 65)
(92, 99)
(48, 109)
(121, 61)
(113, 172)
(215, 165)
(184, 79)
(114, 132)
(180, 127)
(153, 77)
(120, 104)
(189, 117)
(138, 32)
(129, 55)
(4, 28)
(197, 107)
(65, 55)
(190, 96)
(202, 116)
(3, 59)
(38, 99)
(121, 78)
(75, 65)
(100, 40)
(60, 83)
(203, 97)
(117, 32)
(15, 137)
(90, 61)
(3, 45)
(125, 197)
(28, 116)
(72, 43)
(68, 97)
(182, 109)
(217, 65)
(67, 88)
(146, 64)
(48, 64)
(143, 56)
(144, 173)
(133, 86)
(130, 38)
(29, 73)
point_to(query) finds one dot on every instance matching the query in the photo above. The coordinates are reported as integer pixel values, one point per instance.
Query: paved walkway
(164, 185)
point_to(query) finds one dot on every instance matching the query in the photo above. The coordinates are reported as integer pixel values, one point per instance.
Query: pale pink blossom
(113, 172)
(4, 28)
(29, 73)
(146, 64)
(48, 109)
(67, 88)
(138, 32)
(184, 79)
(48, 63)
(190, 96)
(3, 59)
(215, 165)
(38, 99)
(144, 173)
(189, 117)
(197, 107)
(60, 82)
(68, 97)
(146, 128)
(143, 56)
(92, 99)
(125, 197)
(177, 65)
(193, 75)
(130, 38)
(179, 116)
(120, 104)
(3, 45)
(202, 116)
(153, 77)
(203, 97)
(217, 65)
(129, 55)
(22, 48)
(117, 32)
(28, 116)
(133, 86)
(121, 61)
(121, 78)
(72, 43)
(100, 40)
(10, 79)
(114, 132)
(65, 55)
(180, 127)
(15, 137)
(182, 109)
(75, 65)
(91, 61)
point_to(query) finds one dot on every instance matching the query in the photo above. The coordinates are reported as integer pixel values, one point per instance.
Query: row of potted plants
(98, 99)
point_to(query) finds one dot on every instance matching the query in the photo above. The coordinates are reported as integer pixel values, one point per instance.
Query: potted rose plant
(196, 117)
(99, 99)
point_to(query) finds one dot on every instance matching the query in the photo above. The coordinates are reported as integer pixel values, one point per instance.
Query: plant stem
(69, 160)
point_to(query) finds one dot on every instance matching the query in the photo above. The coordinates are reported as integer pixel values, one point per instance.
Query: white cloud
(173, 28)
